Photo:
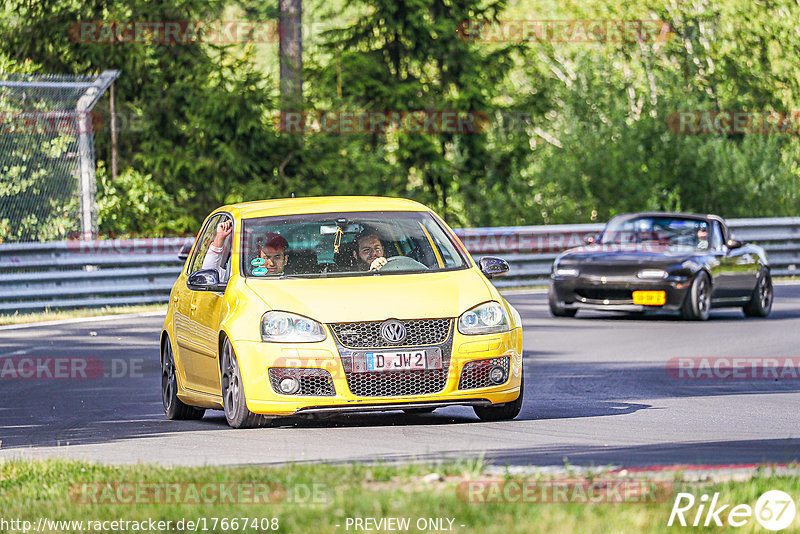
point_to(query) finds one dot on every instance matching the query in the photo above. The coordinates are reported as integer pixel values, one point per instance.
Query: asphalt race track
(598, 392)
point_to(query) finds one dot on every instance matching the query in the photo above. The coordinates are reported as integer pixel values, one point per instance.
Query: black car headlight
(566, 272)
(652, 274)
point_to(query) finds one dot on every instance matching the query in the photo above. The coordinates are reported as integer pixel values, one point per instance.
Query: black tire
(233, 399)
(760, 304)
(697, 304)
(174, 408)
(505, 411)
(418, 411)
(556, 309)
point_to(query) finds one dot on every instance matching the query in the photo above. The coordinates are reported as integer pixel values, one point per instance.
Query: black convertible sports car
(662, 261)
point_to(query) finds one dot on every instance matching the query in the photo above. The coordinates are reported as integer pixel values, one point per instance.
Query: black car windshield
(672, 232)
(347, 244)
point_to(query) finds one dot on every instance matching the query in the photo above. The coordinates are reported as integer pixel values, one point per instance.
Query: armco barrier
(68, 274)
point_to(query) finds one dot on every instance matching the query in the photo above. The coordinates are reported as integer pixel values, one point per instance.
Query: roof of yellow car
(285, 206)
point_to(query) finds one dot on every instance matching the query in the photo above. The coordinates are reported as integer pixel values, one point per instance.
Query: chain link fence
(47, 182)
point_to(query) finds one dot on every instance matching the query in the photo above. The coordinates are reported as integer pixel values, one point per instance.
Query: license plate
(406, 360)
(650, 298)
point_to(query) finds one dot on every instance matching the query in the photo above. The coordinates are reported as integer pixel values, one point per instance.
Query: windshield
(672, 232)
(346, 244)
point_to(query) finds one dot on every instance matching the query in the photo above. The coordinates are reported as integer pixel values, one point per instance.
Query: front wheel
(697, 304)
(760, 304)
(233, 399)
(502, 412)
(556, 309)
(174, 408)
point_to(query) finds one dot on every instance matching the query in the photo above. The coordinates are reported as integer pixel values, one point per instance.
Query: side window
(204, 242)
(716, 236)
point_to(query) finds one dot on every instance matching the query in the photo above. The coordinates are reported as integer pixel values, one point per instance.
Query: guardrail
(115, 272)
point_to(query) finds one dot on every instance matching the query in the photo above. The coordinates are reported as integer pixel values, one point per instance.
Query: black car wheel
(556, 309)
(697, 304)
(233, 399)
(505, 411)
(760, 304)
(174, 408)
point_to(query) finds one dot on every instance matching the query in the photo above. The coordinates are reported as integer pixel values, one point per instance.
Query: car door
(722, 264)
(196, 338)
(739, 265)
(744, 266)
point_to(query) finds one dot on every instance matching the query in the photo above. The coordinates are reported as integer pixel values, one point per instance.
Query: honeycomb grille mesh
(425, 332)
(315, 382)
(476, 374)
(367, 335)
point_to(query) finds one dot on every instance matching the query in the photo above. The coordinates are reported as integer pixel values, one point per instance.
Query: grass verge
(317, 498)
(54, 315)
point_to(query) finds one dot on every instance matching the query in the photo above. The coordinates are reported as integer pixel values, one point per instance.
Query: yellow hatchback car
(336, 305)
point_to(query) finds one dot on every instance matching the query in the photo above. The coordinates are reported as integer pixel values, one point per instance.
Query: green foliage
(578, 131)
(134, 204)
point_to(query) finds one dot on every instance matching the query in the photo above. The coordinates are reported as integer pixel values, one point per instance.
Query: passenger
(273, 251)
(219, 249)
(369, 251)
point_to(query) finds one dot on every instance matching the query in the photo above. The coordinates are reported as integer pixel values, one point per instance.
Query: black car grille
(605, 294)
(433, 333)
(315, 382)
(367, 335)
(475, 374)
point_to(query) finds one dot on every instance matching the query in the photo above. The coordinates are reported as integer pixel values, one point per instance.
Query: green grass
(54, 315)
(51, 489)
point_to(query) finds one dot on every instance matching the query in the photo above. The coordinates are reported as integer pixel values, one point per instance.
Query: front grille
(315, 382)
(367, 335)
(476, 374)
(421, 332)
(605, 294)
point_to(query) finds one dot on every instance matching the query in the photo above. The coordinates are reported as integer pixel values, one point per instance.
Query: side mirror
(590, 239)
(733, 243)
(205, 280)
(493, 267)
(185, 250)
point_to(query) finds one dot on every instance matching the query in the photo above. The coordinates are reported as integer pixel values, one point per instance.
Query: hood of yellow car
(376, 298)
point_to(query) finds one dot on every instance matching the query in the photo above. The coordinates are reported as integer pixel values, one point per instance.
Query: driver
(702, 238)
(369, 251)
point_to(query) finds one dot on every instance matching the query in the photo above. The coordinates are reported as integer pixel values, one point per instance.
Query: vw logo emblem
(393, 331)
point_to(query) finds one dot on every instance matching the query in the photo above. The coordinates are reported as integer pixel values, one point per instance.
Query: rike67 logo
(774, 510)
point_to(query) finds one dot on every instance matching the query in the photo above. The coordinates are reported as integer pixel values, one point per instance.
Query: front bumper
(615, 293)
(256, 358)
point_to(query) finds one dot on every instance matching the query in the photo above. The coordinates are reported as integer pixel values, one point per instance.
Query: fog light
(497, 375)
(289, 385)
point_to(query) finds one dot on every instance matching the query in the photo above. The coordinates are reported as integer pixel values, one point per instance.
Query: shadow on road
(706, 452)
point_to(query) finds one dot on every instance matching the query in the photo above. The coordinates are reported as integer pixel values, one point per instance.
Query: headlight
(566, 272)
(487, 318)
(277, 326)
(652, 273)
